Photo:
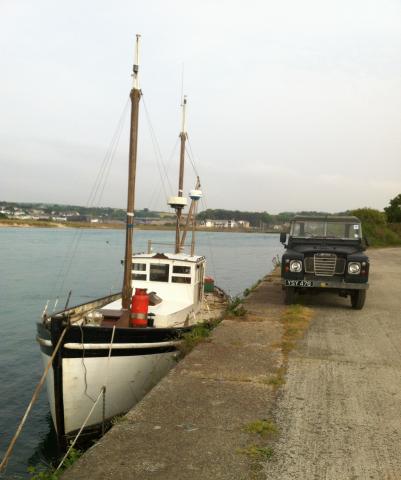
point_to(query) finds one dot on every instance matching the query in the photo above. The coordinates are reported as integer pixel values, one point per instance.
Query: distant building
(153, 221)
(227, 224)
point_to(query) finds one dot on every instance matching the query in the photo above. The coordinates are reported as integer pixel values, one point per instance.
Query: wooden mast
(135, 96)
(183, 138)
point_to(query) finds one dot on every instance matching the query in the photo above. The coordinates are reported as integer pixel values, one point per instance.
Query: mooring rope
(31, 403)
(80, 430)
(102, 393)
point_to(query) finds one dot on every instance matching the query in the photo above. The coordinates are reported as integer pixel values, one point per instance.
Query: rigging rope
(93, 198)
(159, 157)
(31, 403)
(191, 157)
(154, 198)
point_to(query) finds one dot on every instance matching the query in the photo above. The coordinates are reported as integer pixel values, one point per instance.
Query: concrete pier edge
(212, 416)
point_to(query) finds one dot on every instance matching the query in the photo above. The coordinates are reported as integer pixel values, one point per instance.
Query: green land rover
(325, 253)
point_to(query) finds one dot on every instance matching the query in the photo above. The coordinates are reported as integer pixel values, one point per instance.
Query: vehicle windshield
(323, 229)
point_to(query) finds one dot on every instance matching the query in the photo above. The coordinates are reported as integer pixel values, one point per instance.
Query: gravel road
(340, 411)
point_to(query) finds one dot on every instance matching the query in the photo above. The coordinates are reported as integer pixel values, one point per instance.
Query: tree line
(256, 219)
(391, 214)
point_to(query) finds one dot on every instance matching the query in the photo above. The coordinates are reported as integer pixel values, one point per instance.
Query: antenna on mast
(184, 106)
(135, 67)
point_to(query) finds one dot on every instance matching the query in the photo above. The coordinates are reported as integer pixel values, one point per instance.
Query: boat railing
(151, 244)
(79, 310)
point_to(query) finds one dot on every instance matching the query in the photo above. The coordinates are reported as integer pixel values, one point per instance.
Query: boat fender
(139, 308)
(154, 299)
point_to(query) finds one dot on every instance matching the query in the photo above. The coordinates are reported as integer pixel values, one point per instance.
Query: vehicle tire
(289, 295)
(358, 299)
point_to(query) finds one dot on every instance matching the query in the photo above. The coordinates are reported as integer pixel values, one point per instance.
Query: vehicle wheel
(289, 295)
(358, 299)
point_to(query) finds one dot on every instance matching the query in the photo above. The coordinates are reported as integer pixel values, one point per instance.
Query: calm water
(42, 264)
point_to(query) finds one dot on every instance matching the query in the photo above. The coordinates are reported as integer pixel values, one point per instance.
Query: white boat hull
(127, 380)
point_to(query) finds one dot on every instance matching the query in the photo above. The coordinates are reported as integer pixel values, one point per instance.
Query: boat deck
(120, 318)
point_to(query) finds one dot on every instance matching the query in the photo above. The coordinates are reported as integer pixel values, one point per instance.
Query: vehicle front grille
(325, 264)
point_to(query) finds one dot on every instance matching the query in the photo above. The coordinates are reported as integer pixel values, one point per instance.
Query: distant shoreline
(12, 223)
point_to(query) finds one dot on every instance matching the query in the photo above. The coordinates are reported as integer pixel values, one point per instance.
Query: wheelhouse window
(181, 269)
(139, 267)
(139, 276)
(181, 279)
(159, 272)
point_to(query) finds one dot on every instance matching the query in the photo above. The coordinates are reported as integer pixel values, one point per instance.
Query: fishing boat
(105, 355)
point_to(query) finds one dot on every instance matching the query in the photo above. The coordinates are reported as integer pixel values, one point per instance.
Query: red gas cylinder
(139, 308)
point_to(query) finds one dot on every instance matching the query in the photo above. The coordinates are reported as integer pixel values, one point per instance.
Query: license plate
(299, 283)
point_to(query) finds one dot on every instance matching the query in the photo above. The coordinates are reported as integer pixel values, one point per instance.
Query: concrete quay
(201, 420)
(272, 396)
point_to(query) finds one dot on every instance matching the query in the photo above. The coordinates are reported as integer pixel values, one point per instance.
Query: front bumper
(324, 283)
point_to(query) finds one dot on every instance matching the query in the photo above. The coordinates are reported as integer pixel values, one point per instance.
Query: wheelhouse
(170, 275)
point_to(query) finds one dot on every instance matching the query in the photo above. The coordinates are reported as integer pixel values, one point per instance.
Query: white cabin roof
(182, 257)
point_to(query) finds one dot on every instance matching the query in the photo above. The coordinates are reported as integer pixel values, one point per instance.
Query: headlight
(296, 266)
(354, 268)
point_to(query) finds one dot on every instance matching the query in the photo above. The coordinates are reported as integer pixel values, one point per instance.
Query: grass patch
(276, 381)
(198, 334)
(278, 378)
(256, 452)
(295, 320)
(50, 473)
(235, 308)
(263, 428)
(118, 419)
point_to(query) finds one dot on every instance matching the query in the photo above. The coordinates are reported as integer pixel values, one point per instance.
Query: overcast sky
(292, 105)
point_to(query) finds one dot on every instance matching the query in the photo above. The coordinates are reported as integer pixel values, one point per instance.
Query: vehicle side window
(159, 272)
